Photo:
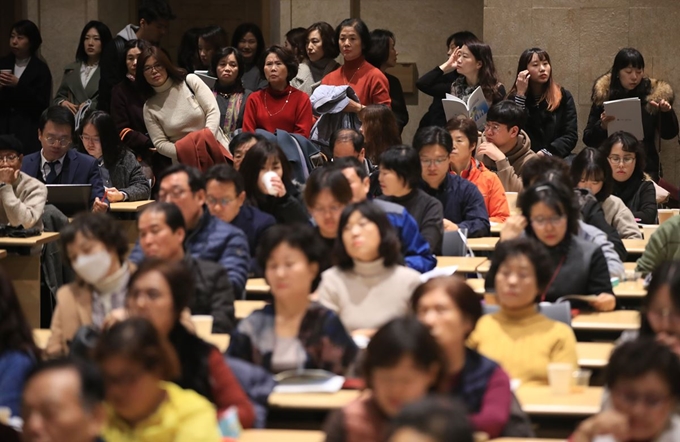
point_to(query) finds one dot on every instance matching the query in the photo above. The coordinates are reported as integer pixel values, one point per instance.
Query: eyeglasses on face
(434, 162)
(552, 221)
(52, 141)
(157, 67)
(9, 158)
(619, 160)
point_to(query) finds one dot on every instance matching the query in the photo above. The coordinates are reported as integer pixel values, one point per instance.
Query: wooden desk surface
(129, 206)
(593, 354)
(486, 244)
(630, 289)
(3, 253)
(635, 246)
(219, 340)
(540, 401)
(477, 285)
(313, 401)
(43, 238)
(466, 264)
(522, 439)
(244, 308)
(618, 320)
(257, 285)
(281, 436)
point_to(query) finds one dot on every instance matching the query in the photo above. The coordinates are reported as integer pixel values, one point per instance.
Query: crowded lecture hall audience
(183, 240)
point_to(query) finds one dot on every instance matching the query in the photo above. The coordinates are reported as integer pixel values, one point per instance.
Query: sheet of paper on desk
(330, 385)
(438, 271)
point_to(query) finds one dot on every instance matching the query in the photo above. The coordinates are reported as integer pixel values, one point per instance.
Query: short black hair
(629, 144)
(196, 181)
(507, 112)
(10, 142)
(404, 161)
(432, 135)
(461, 38)
(441, 418)
(328, 42)
(177, 275)
(360, 28)
(29, 30)
(327, 178)
(225, 173)
(399, 338)
(351, 163)
(298, 236)
(591, 164)
(467, 127)
(529, 248)
(153, 10)
(667, 273)
(557, 196)
(104, 37)
(255, 159)
(642, 356)
(215, 36)
(347, 134)
(130, 44)
(287, 58)
(390, 247)
(58, 115)
(173, 216)
(241, 31)
(548, 167)
(98, 226)
(92, 390)
(220, 53)
(243, 138)
(380, 47)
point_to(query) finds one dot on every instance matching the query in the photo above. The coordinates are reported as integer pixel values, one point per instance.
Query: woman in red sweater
(369, 83)
(279, 105)
(160, 291)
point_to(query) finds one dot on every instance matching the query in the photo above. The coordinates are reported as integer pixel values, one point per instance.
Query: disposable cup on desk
(581, 380)
(203, 324)
(666, 214)
(632, 275)
(560, 377)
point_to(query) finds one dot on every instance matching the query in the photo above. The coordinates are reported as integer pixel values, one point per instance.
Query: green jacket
(663, 245)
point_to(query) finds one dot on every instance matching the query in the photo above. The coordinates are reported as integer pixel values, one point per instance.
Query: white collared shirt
(46, 169)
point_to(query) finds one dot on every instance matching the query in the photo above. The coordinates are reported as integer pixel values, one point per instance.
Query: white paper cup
(203, 324)
(560, 377)
(267, 182)
(5, 71)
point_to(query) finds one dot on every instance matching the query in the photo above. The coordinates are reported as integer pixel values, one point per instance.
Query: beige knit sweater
(619, 216)
(175, 112)
(369, 295)
(22, 203)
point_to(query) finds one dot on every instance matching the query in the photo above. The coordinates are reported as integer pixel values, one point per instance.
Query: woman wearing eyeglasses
(631, 184)
(550, 215)
(642, 377)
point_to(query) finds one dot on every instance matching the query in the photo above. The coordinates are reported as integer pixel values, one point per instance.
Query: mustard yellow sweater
(524, 343)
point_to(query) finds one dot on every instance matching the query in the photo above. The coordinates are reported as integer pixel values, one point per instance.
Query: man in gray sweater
(22, 197)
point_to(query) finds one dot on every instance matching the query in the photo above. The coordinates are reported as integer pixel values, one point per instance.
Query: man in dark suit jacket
(57, 163)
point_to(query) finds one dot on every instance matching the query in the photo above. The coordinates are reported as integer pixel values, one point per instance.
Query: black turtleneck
(639, 196)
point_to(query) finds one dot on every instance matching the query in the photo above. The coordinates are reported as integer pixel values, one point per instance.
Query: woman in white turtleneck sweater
(177, 104)
(368, 286)
(96, 248)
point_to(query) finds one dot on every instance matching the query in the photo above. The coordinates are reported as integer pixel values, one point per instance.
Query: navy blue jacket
(415, 249)
(463, 204)
(253, 222)
(216, 241)
(77, 168)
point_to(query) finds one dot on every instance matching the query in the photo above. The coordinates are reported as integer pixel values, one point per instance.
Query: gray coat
(71, 88)
(127, 176)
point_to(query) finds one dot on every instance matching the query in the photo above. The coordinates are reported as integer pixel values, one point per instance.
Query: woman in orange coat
(464, 134)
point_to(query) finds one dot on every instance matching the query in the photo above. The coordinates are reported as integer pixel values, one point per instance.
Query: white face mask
(94, 267)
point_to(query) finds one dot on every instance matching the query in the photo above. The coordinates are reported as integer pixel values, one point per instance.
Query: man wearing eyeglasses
(22, 198)
(57, 163)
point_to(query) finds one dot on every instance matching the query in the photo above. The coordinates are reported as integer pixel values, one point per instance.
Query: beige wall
(582, 37)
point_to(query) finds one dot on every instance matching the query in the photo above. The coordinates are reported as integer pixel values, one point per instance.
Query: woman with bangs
(551, 111)
(319, 57)
(228, 66)
(473, 62)
(627, 79)
(590, 170)
(551, 216)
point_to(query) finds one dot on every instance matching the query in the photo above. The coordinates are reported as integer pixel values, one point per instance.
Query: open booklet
(475, 108)
(207, 79)
(308, 381)
(628, 114)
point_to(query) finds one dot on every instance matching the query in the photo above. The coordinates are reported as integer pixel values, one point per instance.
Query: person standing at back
(154, 19)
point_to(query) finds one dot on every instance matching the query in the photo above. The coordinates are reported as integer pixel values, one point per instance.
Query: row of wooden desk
(488, 244)
(319, 436)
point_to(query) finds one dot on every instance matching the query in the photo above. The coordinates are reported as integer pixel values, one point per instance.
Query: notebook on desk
(69, 198)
